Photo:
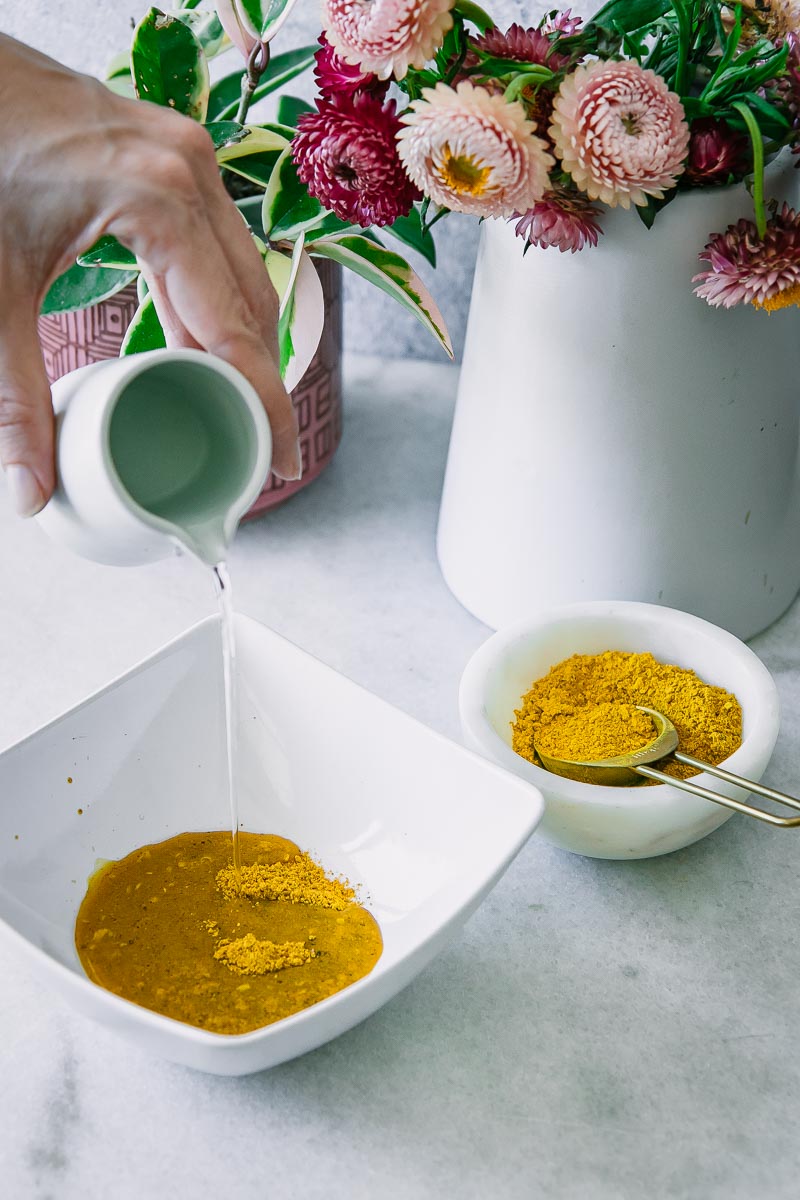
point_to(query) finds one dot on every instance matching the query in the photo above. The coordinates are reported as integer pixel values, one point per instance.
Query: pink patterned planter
(71, 340)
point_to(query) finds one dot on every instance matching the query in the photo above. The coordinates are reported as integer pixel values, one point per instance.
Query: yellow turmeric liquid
(151, 923)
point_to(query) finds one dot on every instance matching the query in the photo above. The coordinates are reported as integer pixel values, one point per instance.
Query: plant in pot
(100, 306)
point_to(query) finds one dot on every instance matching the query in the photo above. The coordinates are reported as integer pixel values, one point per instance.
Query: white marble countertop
(600, 1029)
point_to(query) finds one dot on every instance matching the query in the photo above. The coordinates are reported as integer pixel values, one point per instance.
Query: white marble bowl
(422, 825)
(618, 822)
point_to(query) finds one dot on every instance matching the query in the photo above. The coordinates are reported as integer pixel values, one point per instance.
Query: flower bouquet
(549, 126)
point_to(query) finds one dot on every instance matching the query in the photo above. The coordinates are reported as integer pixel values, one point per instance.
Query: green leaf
(330, 223)
(80, 287)
(223, 101)
(771, 121)
(286, 311)
(628, 15)
(288, 209)
(223, 132)
(168, 65)
(108, 252)
(121, 85)
(290, 109)
(251, 150)
(267, 16)
(206, 27)
(120, 65)
(144, 331)
(390, 273)
(410, 231)
(648, 212)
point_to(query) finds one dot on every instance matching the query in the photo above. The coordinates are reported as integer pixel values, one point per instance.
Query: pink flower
(619, 132)
(561, 219)
(346, 155)
(715, 152)
(335, 76)
(764, 272)
(472, 152)
(563, 23)
(387, 37)
(524, 45)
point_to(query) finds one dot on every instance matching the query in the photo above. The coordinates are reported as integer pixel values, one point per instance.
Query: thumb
(26, 412)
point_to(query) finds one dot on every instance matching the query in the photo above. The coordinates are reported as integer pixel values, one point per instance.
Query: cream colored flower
(474, 153)
(620, 132)
(386, 37)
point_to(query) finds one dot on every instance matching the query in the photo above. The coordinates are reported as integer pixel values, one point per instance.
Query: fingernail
(24, 489)
(298, 463)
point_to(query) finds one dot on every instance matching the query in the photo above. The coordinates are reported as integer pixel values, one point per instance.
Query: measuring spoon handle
(749, 810)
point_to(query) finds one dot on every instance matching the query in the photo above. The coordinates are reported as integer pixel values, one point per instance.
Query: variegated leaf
(168, 65)
(390, 273)
(144, 331)
(266, 16)
(289, 209)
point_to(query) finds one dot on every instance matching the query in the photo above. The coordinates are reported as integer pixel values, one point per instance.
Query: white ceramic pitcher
(617, 438)
(165, 448)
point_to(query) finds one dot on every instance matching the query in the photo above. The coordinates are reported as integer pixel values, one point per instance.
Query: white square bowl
(423, 826)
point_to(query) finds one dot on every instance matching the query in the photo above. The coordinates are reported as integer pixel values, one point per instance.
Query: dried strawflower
(776, 18)
(620, 132)
(472, 152)
(745, 268)
(346, 154)
(716, 152)
(337, 77)
(562, 23)
(523, 45)
(561, 219)
(387, 37)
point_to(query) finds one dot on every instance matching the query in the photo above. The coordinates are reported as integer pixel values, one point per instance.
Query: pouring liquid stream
(222, 587)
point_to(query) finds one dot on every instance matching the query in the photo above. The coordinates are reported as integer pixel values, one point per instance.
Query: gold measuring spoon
(628, 768)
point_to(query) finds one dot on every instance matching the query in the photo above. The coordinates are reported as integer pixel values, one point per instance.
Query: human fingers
(174, 330)
(165, 220)
(26, 411)
(256, 287)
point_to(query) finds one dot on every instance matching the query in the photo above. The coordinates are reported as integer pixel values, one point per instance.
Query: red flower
(346, 155)
(716, 152)
(523, 45)
(337, 77)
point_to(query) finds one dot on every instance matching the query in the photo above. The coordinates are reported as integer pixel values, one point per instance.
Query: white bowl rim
(765, 718)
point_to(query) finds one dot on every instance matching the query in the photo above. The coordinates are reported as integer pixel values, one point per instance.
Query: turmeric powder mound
(582, 711)
(299, 880)
(596, 732)
(250, 955)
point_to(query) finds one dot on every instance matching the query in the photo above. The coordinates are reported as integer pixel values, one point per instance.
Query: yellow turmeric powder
(250, 955)
(297, 879)
(292, 936)
(583, 710)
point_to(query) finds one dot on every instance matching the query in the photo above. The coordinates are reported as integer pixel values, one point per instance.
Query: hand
(78, 161)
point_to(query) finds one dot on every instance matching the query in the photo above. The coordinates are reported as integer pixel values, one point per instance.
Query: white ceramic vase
(617, 438)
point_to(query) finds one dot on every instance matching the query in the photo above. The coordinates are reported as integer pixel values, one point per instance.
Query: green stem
(475, 15)
(257, 64)
(684, 37)
(758, 164)
(427, 227)
(520, 82)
